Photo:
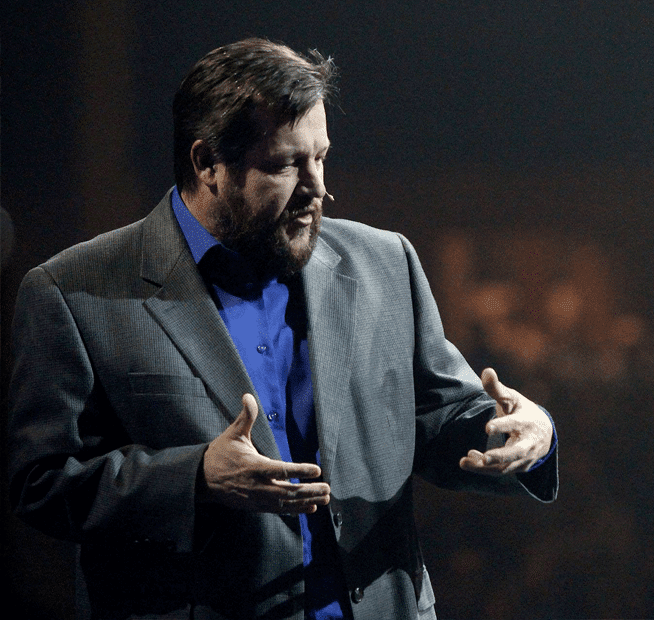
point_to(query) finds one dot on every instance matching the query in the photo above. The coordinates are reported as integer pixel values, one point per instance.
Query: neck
(201, 202)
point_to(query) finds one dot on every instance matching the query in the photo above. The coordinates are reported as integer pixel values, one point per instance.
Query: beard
(261, 239)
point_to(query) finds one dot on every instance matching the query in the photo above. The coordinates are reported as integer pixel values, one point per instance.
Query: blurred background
(511, 141)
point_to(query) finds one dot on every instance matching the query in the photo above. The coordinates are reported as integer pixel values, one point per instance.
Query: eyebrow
(292, 152)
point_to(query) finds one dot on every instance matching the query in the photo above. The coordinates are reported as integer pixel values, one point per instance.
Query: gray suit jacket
(125, 372)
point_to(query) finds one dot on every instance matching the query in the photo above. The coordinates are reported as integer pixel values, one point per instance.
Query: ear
(203, 163)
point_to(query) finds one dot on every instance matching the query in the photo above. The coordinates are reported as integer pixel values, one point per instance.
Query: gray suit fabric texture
(124, 372)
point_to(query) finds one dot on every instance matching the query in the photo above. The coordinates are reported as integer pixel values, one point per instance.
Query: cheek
(269, 195)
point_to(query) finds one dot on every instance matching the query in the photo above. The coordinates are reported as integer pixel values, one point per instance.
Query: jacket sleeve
(73, 472)
(452, 408)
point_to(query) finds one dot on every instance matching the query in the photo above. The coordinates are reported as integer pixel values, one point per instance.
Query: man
(225, 402)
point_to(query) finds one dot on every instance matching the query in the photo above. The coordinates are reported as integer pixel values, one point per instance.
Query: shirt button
(338, 519)
(357, 595)
(273, 415)
(262, 348)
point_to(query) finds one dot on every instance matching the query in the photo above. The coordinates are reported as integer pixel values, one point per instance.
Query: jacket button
(338, 519)
(357, 595)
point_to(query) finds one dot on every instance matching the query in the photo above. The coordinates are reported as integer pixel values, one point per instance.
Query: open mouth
(304, 218)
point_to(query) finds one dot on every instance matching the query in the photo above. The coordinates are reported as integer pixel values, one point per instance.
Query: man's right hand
(236, 475)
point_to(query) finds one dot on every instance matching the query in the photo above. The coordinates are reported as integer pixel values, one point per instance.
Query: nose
(311, 180)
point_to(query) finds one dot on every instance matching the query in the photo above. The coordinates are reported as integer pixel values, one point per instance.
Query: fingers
(508, 425)
(474, 461)
(490, 382)
(299, 498)
(498, 391)
(302, 490)
(247, 416)
(496, 462)
(280, 470)
(250, 406)
(489, 465)
(527, 429)
(235, 474)
(511, 457)
(521, 450)
(279, 497)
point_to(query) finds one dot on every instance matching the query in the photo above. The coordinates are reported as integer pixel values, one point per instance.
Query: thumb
(497, 391)
(245, 420)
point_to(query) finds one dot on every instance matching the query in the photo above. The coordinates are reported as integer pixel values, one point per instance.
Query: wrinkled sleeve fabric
(452, 408)
(74, 473)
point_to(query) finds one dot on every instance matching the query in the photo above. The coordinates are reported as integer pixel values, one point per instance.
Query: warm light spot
(493, 300)
(627, 330)
(527, 344)
(612, 364)
(564, 305)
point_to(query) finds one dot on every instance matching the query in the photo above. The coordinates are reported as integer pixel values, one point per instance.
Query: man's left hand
(528, 427)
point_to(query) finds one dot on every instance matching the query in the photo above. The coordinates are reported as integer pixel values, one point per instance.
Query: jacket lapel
(185, 311)
(331, 314)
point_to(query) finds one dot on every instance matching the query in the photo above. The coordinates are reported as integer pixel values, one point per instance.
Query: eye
(322, 157)
(273, 167)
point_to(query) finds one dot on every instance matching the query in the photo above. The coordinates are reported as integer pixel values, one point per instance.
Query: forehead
(306, 135)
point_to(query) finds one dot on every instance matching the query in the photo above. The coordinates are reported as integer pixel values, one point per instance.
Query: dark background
(511, 141)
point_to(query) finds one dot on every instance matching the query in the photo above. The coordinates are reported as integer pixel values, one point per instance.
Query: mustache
(310, 205)
(307, 204)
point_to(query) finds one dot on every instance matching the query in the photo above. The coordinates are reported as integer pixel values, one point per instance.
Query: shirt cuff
(555, 440)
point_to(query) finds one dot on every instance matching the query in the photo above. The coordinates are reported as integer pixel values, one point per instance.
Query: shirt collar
(218, 264)
(197, 236)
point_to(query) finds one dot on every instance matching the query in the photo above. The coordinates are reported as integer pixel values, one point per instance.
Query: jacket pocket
(152, 384)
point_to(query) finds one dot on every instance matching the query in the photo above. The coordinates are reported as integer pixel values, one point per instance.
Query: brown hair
(217, 100)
